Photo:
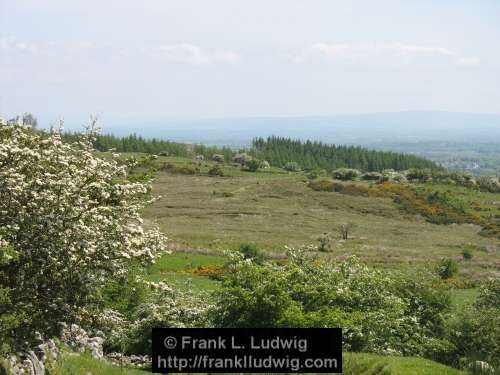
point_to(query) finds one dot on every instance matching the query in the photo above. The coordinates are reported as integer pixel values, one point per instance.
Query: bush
(346, 174)
(490, 184)
(180, 169)
(447, 268)
(73, 222)
(421, 175)
(316, 173)
(371, 176)
(378, 312)
(390, 175)
(250, 251)
(467, 254)
(216, 171)
(253, 165)
(242, 158)
(218, 158)
(164, 308)
(325, 242)
(292, 166)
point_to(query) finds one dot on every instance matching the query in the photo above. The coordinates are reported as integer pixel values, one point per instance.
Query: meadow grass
(274, 209)
(353, 364)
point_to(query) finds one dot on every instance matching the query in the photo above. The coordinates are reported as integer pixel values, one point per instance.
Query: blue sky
(167, 59)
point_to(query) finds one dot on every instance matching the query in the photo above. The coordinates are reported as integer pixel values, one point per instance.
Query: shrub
(216, 171)
(421, 175)
(475, 331)
(180, 169)
(292, 166)
(447, 268)
(241, 158)
(250, 251)
(164, 307)
(490, 184)
(378, 312)
(371, 176)
(253, 165)
(467, 254)
(325, 242)
(316, 173)
(391, 175)
(218, 158)
(265, 164)
(73, 222)
(346, 174)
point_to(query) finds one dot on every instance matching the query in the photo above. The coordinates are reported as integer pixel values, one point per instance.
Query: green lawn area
(84, 364)
(371, 364)
(461, 298)
(354, 364)
(176, 269)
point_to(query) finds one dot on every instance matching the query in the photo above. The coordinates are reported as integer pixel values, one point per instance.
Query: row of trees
(136, 143)
(278, 151)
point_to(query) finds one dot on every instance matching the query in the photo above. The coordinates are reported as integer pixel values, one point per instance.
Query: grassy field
(274, 209)
(354, 364)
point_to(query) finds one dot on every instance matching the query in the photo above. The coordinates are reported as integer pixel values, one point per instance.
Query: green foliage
(292, 166)
(250, 251)
(216, 171)
(346, 174)
(371, 176)
(135, 143)
(325, 242)
(475, 331)
(180, 169)
(253, 165)
(379, 312)
(309, 155)
(164, 307)
(490, 184)
(447, 268)
(467, 254)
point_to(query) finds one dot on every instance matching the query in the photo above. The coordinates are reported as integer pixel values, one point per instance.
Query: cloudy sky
(186, 59)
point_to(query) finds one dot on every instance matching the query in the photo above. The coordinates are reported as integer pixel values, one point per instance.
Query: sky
(150, 60)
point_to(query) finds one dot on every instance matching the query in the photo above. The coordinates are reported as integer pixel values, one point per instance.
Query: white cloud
(192, 54)
(379, 52)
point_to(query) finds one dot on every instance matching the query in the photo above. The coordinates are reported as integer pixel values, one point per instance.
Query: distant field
(274, 209)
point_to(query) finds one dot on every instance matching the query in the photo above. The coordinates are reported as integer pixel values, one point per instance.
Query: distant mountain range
(364, 129)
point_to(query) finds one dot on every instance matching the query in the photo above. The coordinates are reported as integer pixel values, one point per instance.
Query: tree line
(276, 150)
(310, 154)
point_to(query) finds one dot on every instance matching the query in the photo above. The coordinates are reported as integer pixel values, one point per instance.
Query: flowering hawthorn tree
(69, 220)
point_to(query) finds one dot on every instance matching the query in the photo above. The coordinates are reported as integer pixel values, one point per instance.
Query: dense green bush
(250, 251)
(447, 268)
(490, 184)
(371, 176)
(180, 169)
(475, 331)
(292, 166)
(216, 171)
(378, 312)
(346, 174)
(253, 165)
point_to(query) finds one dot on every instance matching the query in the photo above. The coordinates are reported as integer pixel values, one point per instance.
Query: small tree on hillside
(345, 230)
